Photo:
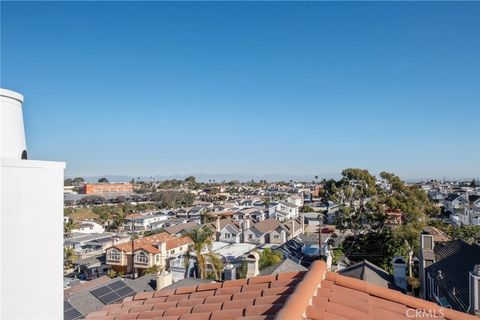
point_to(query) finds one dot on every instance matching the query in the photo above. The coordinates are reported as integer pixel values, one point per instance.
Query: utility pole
(133, 242)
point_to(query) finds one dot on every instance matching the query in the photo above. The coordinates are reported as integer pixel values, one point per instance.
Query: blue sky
(224, 87)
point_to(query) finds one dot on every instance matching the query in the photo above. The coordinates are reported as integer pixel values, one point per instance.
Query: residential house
(147, 252)
(470, 215)
(228, 230)
(141, 222)
(449, 273)
(273, 231)
(181, 228)
(286, 210)
(88, 227)
(89, 245)
(454, 202)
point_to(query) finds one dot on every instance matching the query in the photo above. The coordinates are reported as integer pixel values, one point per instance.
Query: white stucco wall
(31, 225)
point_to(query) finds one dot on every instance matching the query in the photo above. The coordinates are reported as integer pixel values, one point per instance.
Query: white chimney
(230, 272)
(12, 130)
(474, 287)
(218, 224)
(247, 223)
(252, 264)
(164, 279)
(162, 246)
(400, 272)
(293, 229)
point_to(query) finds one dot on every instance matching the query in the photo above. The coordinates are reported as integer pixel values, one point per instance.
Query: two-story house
(141, 222)
(286, 210)
(273, 231)
(454, 202)
(147, 252)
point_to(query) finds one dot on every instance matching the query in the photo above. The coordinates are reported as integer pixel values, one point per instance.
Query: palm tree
(119, 220)
(69, 226)
(202, 239)
(205, 217)
(153, 270)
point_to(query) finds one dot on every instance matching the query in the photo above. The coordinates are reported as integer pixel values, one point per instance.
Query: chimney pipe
(12, 129)
(400, 272)
(252, 264)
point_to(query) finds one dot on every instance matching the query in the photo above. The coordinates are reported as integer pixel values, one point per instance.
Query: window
(141, 257)
(276, 236)
(114, 255)
(172, 252)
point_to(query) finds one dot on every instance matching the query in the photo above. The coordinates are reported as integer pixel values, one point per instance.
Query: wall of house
(31, 202)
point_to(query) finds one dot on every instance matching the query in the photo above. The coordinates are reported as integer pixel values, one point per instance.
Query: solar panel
(101, 291)
(116, 285)
(113, 292)
(70, 313)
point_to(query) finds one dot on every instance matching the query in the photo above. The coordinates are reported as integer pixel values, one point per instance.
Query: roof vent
(12, 130)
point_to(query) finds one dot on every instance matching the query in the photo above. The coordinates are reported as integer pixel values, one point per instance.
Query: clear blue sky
(300, 88)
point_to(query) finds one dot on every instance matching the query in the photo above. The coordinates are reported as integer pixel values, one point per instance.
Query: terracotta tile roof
(150, 243)
(257, 298)
(316, 294)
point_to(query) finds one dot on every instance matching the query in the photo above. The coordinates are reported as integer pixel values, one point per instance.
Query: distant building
(108, 189)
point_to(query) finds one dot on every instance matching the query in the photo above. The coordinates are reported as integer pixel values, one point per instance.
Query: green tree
(103, 180)
(201, 241)
(78, 180)
(191, 179)
(119, 220)
(68, 182)
(268, 257)
(69, 226)
(69, 257)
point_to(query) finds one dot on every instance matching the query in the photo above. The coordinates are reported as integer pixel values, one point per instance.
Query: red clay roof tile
(221, 298)
(209, 286)
(210, 307)
(234, 283)
(196, 316)
(202, 294)
(183, 290)
(226, 314)
(178, 311)
(316, 294)
(150, 314)
(238, 304)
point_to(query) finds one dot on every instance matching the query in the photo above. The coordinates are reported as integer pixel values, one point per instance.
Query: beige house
(147, 252)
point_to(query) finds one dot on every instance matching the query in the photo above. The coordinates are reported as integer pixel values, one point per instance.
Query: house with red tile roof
(316, 294)
(147, 252)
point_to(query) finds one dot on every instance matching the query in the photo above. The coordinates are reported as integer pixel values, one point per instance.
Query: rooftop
(316, 294)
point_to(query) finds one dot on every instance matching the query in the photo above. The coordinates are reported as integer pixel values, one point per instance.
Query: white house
(286, 210)
(143, 222)
(88, 227)
(470, 215)
(454, 202)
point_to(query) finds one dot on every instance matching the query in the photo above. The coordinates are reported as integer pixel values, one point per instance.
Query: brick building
(108, 188)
